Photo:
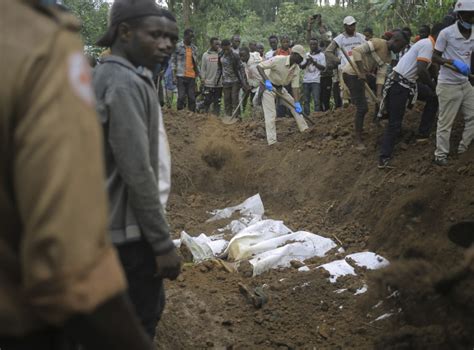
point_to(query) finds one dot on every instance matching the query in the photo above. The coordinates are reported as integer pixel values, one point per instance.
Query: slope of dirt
(318, 182)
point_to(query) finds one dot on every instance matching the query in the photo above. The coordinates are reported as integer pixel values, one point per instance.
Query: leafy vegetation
(258, 19)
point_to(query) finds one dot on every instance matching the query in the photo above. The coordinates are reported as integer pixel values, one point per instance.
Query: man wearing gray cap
(346, 41)
(140, 35)
(278, 72)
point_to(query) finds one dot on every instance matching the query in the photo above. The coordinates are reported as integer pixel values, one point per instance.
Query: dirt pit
(318, 182)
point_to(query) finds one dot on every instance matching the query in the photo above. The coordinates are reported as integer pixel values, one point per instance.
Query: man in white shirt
(250, 60)
(453, 51)
(273, 42)
(408, 81)
(347, 40)
(315, 63)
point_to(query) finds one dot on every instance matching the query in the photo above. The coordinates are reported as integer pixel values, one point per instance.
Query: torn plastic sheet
(203, 247)
(337, 269)
(252, 206)
(368, 260)
(253, 239)
(298, 246)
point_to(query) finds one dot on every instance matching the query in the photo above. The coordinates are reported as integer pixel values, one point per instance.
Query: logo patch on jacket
(80, 78)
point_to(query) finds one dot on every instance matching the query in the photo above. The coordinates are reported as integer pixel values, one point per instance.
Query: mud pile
(317, 181)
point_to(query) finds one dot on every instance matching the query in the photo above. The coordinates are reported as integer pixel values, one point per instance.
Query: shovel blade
(229, 120)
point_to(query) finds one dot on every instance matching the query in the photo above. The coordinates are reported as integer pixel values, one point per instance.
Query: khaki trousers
(269, 112)
(452, 99)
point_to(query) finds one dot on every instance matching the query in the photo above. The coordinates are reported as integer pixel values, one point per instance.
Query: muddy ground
(318, 182)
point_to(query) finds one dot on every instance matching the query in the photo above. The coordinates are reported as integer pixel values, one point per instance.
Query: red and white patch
(80, 77)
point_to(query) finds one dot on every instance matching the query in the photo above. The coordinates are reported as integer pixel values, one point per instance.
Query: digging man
(277, 72)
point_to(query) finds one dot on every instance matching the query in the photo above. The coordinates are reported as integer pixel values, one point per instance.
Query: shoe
(441, 161)
(384, 163)
(422, 138)
(345, 103)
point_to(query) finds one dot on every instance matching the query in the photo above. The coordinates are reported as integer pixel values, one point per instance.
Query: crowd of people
(392, 72)
(62, 281)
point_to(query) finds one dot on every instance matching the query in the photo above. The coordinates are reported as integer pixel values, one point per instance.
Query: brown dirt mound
(315, 181)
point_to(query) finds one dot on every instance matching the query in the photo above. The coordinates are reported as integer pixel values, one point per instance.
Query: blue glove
(268, 85)
(298, 108)
(461, 67)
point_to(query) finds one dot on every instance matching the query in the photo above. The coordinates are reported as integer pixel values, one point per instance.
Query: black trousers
(396, 105)
(51, 339)
(146, 291)
(212, 96)
(325, 95)
(231, 98)
(186, 91)
(336, 94)
(356, 88)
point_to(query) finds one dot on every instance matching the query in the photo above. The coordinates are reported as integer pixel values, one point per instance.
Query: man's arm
(424, 75)
(331, 55)
(309, 28)
(174, 65)
(128, 139)
(437, 58)
(204, 67)
(296, 93)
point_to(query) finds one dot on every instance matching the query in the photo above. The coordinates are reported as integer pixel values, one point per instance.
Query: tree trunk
(187, 13)
(171, 5)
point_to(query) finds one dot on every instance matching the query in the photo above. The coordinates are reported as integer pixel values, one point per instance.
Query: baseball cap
(124, 10)
(464, 5)
(349, 20)
(299, 50)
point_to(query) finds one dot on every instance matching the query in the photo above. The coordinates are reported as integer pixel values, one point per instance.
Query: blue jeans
(311, 90)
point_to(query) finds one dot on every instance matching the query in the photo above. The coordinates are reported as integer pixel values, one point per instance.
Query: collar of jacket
(141, 71)
(192, 46)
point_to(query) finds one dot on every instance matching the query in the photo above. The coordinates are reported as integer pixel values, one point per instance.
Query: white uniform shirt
(269, 54)
(422, 50)
(311, 73)
(348, 43)
(454, 45)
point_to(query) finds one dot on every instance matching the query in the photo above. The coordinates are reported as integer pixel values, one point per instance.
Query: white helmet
(464, 5)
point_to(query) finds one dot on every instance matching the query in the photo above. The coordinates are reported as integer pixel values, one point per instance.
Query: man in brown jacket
(60, 280)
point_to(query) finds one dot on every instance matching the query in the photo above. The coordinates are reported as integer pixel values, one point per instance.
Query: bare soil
(318, 182)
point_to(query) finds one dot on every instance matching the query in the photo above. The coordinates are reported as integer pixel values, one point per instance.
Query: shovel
(281, 96)
(231, 120)
(461, 234)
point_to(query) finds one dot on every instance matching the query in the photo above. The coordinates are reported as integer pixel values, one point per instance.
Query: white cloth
(164, 162)
(453, 45)
(253, 76)
(269, 54)
(421, 51)
(311, 73)
(348, 43)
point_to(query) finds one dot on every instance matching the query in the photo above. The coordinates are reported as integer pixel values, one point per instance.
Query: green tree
(93, 15)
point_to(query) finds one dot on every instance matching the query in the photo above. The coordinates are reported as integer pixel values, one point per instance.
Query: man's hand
(168, 265)
(462, 67)
(298, 108)
(268, 85)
